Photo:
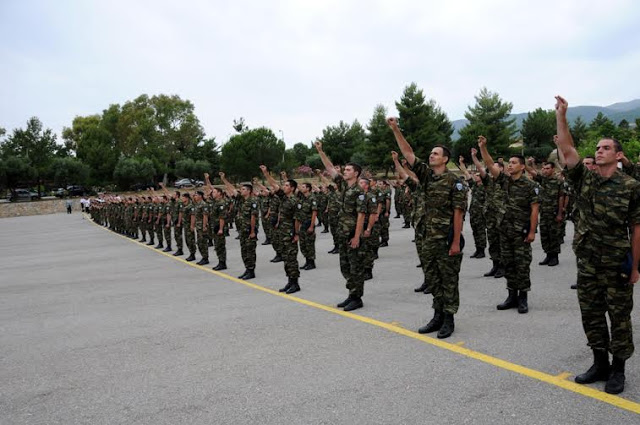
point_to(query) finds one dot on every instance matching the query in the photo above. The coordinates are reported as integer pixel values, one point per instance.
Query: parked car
(75, 190)
(184, 183)
(60, 193)
(143, 186)
(23, 195)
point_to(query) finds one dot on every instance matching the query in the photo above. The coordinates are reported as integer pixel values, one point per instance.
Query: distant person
(68, 203)
(82, 203)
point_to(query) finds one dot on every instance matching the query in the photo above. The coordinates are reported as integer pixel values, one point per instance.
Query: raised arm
(272, 182)
(231, 191)
(477, 163)
(463, 168)
(404, 146)
(325, 159)
(493, 168)
(529, 166)
(565, 141)
(403, 175)
(322, 178)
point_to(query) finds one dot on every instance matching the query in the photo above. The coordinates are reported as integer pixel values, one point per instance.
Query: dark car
(60, 193)
(75, 190)
(143, 186)
(23, 195)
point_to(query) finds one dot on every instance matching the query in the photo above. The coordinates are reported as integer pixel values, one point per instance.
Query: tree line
(160, 138)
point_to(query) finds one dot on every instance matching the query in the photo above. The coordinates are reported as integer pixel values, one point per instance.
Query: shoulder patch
(536, 190)
(313, 202)
(459, 186)
(299, 206)
(361, 197)
(373, 199)
(253, 205)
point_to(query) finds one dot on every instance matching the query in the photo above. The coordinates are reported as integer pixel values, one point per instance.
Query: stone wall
(46, 206)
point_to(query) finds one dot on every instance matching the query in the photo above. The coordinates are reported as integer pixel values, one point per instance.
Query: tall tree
(342, 140)
(538, 129)
(602, 126)
(379, 141)
(490, 117)
(300, 152)
(245, 152)
(579, 131)
(66, 171)
(423, 123)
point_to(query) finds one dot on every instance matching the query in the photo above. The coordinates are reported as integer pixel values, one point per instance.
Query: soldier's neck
(439, 169)
(607, 170)
(516, 176)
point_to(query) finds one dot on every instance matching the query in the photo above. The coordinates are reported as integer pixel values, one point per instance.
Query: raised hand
(394, 156)
(392, 122)
(474, 152)
(461, 159)
(482, 141)
(318, 145)
(221, 174)
(263, 168)
(206, 175)
(561, 105)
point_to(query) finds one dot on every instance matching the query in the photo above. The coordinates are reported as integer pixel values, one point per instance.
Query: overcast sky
(298, 66)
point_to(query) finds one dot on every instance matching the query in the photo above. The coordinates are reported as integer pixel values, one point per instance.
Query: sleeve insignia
(459, 186)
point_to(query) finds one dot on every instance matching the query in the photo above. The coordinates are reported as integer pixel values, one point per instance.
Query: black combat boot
(368, 274)
(311, 264)
(447, 326)
(203, 262)
(478, 254)
(574, 286)
(500, 272)
(159, 246)
(295, 287)
(335, 250)
(427, 290)
(554, 260)
(143, 239)
(406, 226)
(545, 261)
(286, 287)
(250, 274)
(304, 266)
(435, 324)
(523, 306)
(167, 249)
(510, 302)
(178, 253)
(325, 230)
(354, 304)
(493, 270)
(191, 257)
(599, 370)
(383, 244)
(243, 275)
(422, 287)
(151, 242)
(276, 259)
(221, 266)
(344, 303)
(615, 384)
(266, 242)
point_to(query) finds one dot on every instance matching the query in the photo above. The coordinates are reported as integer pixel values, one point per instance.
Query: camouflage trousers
(384, 228)
(550, 233)
(248, 250)
(352, 266)
(370, 247)
(202, 238)
(408, 214)
(308, 244)
(149, 229)
(276, 241)
(177, 235)
(190, 239)
(289, 253)
(443, 272)
(157, 227)
(220, 247)
(167, 233)
(516, 258)
(333, 228)
(420, 230)
(479, 229)
(600, 293)
(493, 236)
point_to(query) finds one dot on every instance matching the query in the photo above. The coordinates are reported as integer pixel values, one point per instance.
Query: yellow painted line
(459, 344)
(563, 375)
(555, 380)
(394, 323)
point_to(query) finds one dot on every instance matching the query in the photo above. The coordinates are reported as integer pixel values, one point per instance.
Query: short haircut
(178, 193)
(186, 195)
(307, 185)
(551, 163)
(590, 157)
(445, 151)
(616, 144)
(201, 193)
(356, 167)
(217, 189)
(165, 197)
(520, 158)
(248, 186)
(293, 183)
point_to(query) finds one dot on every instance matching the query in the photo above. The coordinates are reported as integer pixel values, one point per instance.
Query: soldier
(188, 211)
(551, 210)
(273, 215)
(200, 223)
(166, 224)
(476, 210)
(306, 216)
(157, 221)
(608, 207)
(323, 202)
(332, 210)
(174, 218)
(518, 226)
(385, 212)
(350, 227)
(151, 218)
(371, 233)
(217, 216)
(247, 225)
(446, 204)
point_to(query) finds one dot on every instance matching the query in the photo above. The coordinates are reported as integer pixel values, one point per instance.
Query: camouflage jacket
(551, 189)
(519, 195)
(351, 203)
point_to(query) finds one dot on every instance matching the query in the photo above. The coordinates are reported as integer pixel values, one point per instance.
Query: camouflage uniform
(352, 202)
(247, 208)
(420, 227)
(274, 209)
(202, 209)
(493, 214)
(333, 207)
(189, 235)
(166, 210)
(519, 196)
(606, 208)
(218, 211)
(476, 214)
(551, 190)
(385, 196)
(444, 193)
(288, 207)
(370, 244)
(306, 206)
(158, 222)
(176, 209)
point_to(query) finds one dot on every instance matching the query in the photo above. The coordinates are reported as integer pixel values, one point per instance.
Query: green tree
(245, 152)
(538, 129)
(207, 151)
(490, 117)
(625, 133)
(379, 141)
(423, 123)
(579, 131)
(35, 145)
(314, 161)
(342, 140)
(192, 169)
(602, 126)
(66, 171)
(129, 171)
(15, 171)
(301, 152)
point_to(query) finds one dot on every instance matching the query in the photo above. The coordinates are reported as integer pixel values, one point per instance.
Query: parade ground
(98, 329)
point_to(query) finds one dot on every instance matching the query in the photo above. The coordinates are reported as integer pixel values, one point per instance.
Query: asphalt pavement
(98, 329)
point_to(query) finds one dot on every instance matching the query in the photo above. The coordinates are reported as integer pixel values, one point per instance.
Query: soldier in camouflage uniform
(200, 221)
(385, 213)
(350, 228)
(551, 210)
(166, 222)
(288, 231)
(371, 233)
(158, 226)
(174, 218)
(323, 200)
(445, 206)
(189, 225)
(518, 227)
(333, 209)
(306, 215)
(476, 210)
(608, 205)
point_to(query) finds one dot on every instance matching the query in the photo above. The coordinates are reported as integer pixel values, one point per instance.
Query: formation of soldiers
(507, 201)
